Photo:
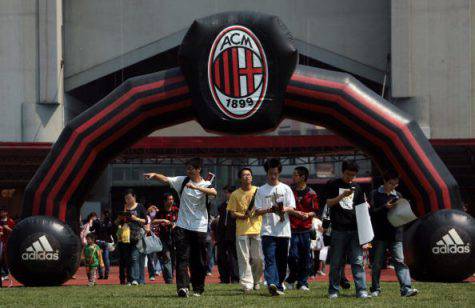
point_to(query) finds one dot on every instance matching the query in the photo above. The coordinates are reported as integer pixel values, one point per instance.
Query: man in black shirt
(386, 236)
(226, 242)
(342, 195)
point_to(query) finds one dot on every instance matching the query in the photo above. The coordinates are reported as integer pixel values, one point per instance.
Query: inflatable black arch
(334, 100)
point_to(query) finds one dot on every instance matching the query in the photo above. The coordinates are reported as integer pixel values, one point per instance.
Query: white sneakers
(304, 288)
(410, 292)
(375, 293)
(288, 286)
(183, 292)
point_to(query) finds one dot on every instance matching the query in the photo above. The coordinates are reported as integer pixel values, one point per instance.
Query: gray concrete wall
(431, 62)
(30, 70)
(97, 31)
(472, 67)
(18, 64)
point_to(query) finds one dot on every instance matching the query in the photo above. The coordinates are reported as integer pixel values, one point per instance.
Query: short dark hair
(130, 191)
(244, 169)
(91, 236)
(302, 171)
(272, 163)
(166, 195)
(389, 175)
(195, 162)
(349, 165)
(229, 188)
(92, 214)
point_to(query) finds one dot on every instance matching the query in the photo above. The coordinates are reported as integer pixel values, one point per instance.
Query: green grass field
(431, 295)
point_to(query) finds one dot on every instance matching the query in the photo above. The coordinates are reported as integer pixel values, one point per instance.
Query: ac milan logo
(237, 72)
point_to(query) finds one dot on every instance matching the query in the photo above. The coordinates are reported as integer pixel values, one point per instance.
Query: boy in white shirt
(275, 201)
(191, 227)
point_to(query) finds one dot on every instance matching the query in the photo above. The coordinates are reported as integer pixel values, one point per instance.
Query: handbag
(150, 244)
(136, 234)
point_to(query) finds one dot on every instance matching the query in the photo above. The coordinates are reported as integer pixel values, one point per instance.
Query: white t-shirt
(265, 198)
(192, 214)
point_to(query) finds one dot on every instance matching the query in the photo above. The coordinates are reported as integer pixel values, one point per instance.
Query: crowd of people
(273, 234)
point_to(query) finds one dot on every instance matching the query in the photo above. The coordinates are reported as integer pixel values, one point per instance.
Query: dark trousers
(227, 262)
(124, 262)
(166, 261)
(299, 259)
(275, 251)
(105, 257)
(191, 253)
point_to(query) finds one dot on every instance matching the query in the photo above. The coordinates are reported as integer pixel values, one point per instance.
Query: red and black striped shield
(237, 72)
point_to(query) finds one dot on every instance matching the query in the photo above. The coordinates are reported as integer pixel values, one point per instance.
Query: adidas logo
(451, 243)
(41, 251)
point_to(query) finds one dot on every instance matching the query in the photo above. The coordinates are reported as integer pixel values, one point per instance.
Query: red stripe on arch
(101, 146)
(389, 132)
(361, 131)
(381, 112)
(102, 129)
(116, 104)
(367, 119)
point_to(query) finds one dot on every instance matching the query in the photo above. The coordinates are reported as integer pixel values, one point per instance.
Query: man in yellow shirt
(248, 229)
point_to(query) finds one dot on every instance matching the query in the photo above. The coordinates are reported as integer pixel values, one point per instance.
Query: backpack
(186, 181)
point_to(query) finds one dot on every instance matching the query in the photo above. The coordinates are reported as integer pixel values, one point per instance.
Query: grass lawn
(216, 295)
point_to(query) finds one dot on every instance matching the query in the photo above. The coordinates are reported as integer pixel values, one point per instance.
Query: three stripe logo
(40, 250)
(451, 243)
(237, 72)
(41, 244)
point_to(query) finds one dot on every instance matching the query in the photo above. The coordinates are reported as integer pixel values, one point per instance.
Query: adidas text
(40, 256)
(451, 243)
(40, 250)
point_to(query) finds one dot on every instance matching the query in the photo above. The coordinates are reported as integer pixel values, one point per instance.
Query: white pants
(249, 257)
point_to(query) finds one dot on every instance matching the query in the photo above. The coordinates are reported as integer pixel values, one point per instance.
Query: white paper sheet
(363, 222)
(401, 213)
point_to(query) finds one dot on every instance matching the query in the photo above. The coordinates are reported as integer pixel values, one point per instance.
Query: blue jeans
(165, 258)
(299, 259)
(275, 251)
(402, 271)
(152, 264)
(104, 272)
(137, 264)
(343, 241)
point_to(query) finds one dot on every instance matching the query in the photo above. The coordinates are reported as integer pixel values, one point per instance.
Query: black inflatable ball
(439, 247)
(238, 65)
(43, 251)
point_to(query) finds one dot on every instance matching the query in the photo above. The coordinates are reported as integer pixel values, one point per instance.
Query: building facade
(59, 57)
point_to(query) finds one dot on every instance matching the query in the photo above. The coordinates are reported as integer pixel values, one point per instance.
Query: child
(93, 256)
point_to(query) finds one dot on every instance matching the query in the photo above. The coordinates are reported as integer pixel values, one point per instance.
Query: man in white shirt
(191, 227)
(275, 201)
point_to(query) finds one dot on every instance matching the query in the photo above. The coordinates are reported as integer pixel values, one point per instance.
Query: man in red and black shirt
(7, 225)
(299, 260)
(166, 218)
